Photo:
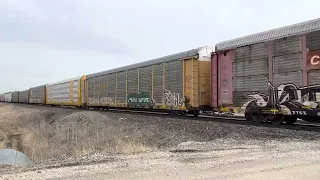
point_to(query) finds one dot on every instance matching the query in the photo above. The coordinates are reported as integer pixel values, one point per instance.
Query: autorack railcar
(37, 95)
(68, 92)
(8, 97)
(2, 99)
(270, 76)
(178, 82)
(24, 96)
(15, 97)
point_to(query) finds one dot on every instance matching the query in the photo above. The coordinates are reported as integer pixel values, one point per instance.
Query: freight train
(271, 76)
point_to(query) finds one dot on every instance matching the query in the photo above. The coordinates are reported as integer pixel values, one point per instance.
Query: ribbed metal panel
(24, 96)
(102, 88)
(250, 83)
(314, 77)
(287, 63)
(145, 80)
(293, 45)
(313, 40)
(288, 45)
(241, 97)
(8, 97)
(37, 95)
(91, 97)
(242, 54)
(290, 77)
(174, 78)
(238, 84)
(15, 96)
(132, 81)
(254, 67)
(75, 93)
(158, 83)
(111, 93)
(279, 47)
(97, 88)
(291, 30)
(121, 87)
(259, 51)
(2, 98)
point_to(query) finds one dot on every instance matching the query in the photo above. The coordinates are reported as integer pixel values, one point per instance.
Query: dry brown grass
(43, 135)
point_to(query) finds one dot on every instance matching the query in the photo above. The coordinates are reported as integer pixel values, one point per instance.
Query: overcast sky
(43, 41)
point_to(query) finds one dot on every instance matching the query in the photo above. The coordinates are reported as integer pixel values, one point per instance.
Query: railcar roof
(38, 86)
(290, 30)
(63, 81)
(181, 55)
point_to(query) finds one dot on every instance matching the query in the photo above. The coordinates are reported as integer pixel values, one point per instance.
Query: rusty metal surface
(313, 60)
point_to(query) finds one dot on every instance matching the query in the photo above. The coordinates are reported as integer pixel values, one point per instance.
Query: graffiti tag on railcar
(174, 99)
(285, 96)
(141, 100)
(313, 60)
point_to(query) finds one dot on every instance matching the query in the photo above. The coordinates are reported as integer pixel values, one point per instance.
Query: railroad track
(299, 125)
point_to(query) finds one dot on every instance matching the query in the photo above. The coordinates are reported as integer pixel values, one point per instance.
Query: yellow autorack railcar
(178, 82)
(68, 92)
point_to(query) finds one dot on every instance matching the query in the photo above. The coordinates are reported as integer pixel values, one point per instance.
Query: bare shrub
(73, 135)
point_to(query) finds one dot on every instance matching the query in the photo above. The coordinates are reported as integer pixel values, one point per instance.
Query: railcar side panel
(112, 89)
(287, 61)
(155, 84)
(2, 99)
(313, 57)
(37, 95)
(24, 96)
(204, 81)
(15, 96)
(92, 99)
(158, 85)
(173, 85)
(121, 95)
(100, 91)
(191, 82)
(66, 92)
(8, 97)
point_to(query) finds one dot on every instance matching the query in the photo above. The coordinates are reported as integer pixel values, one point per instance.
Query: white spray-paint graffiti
(102, 101)
(286, 96)
(173, 98)
(106, 100)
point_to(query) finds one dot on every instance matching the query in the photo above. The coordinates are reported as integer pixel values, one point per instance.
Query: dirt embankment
(46, 134)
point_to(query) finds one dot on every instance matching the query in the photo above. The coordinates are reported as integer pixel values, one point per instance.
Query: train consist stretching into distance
(268, 76)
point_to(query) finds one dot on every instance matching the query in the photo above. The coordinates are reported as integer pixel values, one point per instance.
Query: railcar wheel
(290, 120)
(196, 113)
(276, 119)
(248, 116)
(253, 117)
(259, 118)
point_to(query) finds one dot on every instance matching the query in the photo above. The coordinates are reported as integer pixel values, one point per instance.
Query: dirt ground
(72, 144)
